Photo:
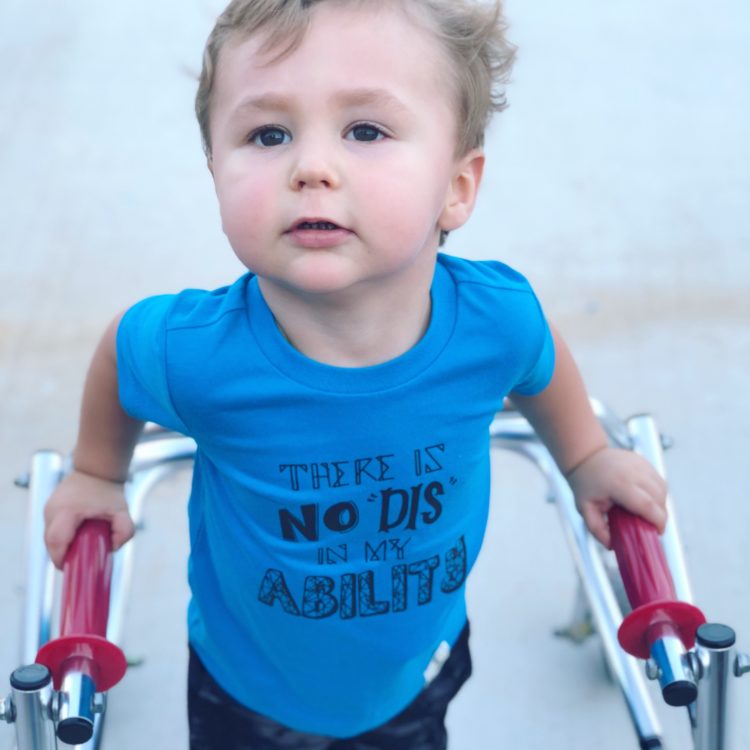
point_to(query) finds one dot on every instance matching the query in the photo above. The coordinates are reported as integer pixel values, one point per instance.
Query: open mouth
(315, 232)
(319, 225)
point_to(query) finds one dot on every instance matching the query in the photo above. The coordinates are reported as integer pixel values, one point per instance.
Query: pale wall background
(618, 181)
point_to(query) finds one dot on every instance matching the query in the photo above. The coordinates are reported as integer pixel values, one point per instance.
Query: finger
(653, 511)
(642, 501)
(656, 488)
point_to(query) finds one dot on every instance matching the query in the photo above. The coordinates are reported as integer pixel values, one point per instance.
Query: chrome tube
(674, 673)
(606, 613)
(159, 455)
(513, 434)
(32, 698)
(96, 738)
(76, 708)
(617, 430)
(46, 470)
(510, 431)
(159, 448)
(715, 662)
(49, 624)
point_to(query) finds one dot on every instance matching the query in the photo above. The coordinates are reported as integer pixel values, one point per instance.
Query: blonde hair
(471, 33)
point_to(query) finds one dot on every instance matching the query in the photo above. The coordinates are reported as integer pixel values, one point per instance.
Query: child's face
(335, 166)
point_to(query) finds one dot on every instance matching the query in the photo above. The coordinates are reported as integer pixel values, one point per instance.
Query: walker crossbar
(694, 668)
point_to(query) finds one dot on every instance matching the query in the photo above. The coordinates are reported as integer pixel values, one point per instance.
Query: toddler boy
(340, 393)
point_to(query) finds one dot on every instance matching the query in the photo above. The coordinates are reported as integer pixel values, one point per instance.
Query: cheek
(245, 207)
(408, 200)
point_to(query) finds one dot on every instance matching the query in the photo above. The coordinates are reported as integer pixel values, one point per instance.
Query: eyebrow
(347, 97)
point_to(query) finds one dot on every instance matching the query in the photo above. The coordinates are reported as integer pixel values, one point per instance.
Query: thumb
(123, 529)
(595, 517)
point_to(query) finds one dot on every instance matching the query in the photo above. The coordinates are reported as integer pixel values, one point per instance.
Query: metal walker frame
(72, 709)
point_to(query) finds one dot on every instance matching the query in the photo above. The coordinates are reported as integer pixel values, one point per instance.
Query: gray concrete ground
(618, 181)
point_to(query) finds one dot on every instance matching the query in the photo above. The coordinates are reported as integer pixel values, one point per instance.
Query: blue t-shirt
(335, 512)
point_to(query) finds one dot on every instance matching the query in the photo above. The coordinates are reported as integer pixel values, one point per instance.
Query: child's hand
(617, 477)
(80, 497)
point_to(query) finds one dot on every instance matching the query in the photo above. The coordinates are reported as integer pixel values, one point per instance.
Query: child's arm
(106, 438)
(599, 476)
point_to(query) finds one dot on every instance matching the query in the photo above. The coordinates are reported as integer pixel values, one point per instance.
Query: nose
(314, 168)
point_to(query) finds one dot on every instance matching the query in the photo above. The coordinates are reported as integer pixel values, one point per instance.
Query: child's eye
(365, 131)
(268, 136)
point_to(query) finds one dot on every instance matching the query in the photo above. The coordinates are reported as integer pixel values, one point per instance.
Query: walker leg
(715, 663)
(30, 708)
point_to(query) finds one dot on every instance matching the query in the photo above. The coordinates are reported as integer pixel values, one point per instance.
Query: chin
(321, 274)
(316, 284)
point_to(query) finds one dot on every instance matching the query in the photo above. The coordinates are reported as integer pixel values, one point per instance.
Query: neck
(360, 328)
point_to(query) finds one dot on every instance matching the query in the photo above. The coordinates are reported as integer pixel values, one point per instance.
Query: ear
(463, 190)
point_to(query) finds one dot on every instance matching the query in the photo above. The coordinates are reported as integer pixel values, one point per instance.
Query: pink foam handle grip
(648, 583)
(87, 574)
(82, 645)
(640, 557)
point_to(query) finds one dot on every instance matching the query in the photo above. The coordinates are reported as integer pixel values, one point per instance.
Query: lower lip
(319, 238)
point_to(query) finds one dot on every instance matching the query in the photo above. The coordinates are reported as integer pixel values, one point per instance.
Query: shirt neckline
(350, 380)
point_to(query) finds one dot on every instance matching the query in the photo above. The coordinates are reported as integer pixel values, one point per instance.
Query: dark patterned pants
(218, 722)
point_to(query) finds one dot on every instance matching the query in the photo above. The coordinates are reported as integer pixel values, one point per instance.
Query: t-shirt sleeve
(142, 371)
(540, 368)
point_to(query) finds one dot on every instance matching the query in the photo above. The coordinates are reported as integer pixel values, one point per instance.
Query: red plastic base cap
(647, 623)
(109, 663)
